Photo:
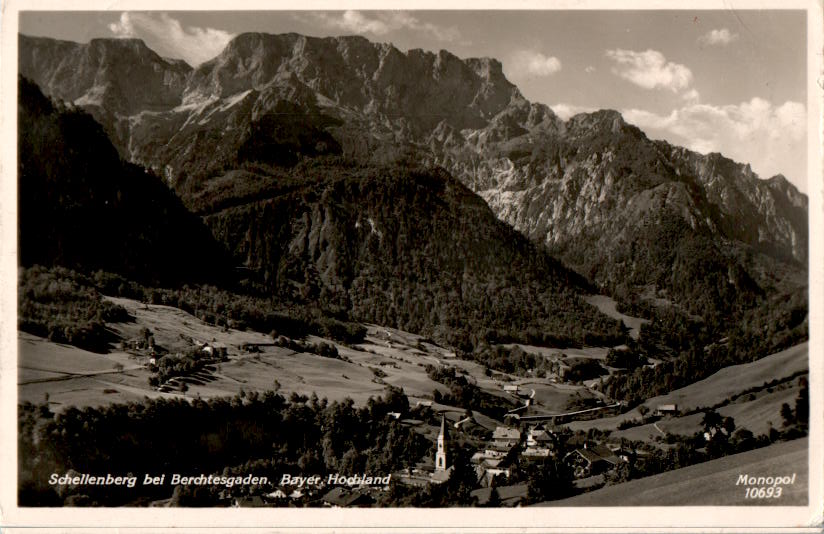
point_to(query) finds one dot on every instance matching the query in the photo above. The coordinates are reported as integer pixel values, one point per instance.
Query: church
(443, 469)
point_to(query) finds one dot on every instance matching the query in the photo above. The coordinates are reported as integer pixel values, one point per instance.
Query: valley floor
(71, 376)
(753, 393)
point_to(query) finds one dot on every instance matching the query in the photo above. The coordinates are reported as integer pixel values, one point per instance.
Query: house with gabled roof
(506, 437)
(592, 459)
(278, 493)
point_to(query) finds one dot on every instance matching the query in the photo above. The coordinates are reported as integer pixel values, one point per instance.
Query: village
(590, 461)
(497, 431)
(496, 427)
(501, 455)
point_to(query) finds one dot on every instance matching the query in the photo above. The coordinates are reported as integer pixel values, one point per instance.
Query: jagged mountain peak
(412, 92)
(780, 182)
(786, 189)
(128, 43)
(115, 76)
(487, 65)
(608, 120)
(554, 180)
(114, 49)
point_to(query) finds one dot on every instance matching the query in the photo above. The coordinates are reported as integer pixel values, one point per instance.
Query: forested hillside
(404, 247)
(82, 207)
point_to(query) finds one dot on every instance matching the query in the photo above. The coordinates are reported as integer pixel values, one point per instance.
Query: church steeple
(440, 455)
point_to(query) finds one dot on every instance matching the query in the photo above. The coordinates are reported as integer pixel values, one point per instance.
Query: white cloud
(590, 69)
(650, 69)
(355, 22)
(771, 138)
(168, 37)
(720, 37)
(405, 20)
(565, 111)
(529, 63)
(691, 97)
(383, 23)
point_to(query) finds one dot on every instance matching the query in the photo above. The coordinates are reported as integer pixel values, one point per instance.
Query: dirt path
(658, 428)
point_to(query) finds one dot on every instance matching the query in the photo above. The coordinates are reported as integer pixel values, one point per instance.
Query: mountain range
(236, 138)
(412, 248)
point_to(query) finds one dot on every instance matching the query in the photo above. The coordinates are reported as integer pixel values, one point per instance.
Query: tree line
(295, 435)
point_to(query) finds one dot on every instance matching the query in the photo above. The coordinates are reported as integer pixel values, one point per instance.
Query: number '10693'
(773, 492)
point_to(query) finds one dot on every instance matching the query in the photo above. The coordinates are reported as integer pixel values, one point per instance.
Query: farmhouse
(666, 409)
(506, 437)
(539, 443)
(591, 460)
(560, 367)
(491, 467)
(537, 437)
(493, 453)
(709, 434)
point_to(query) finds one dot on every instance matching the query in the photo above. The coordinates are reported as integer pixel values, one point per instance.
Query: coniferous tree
(494, 499)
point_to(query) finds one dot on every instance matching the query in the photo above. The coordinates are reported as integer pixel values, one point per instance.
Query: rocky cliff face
(146, 102)
(600, 176)
(374, 79)
(117, 76)
(601, 195)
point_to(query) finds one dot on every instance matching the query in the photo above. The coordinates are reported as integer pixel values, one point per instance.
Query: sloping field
(55, 359)
(400, 348)
(608, 307)
(392, 337)
(718, 386)
(173, 327)
(81, 391)
(737, 378)
(295, 372)
(69, 375)
(556, 397)
(756, 416)
(75, 377)
(710, 483)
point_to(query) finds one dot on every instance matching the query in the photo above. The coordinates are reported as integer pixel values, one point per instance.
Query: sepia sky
(714, 81)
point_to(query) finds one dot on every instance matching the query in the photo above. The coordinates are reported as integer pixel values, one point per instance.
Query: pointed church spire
(440, 455)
